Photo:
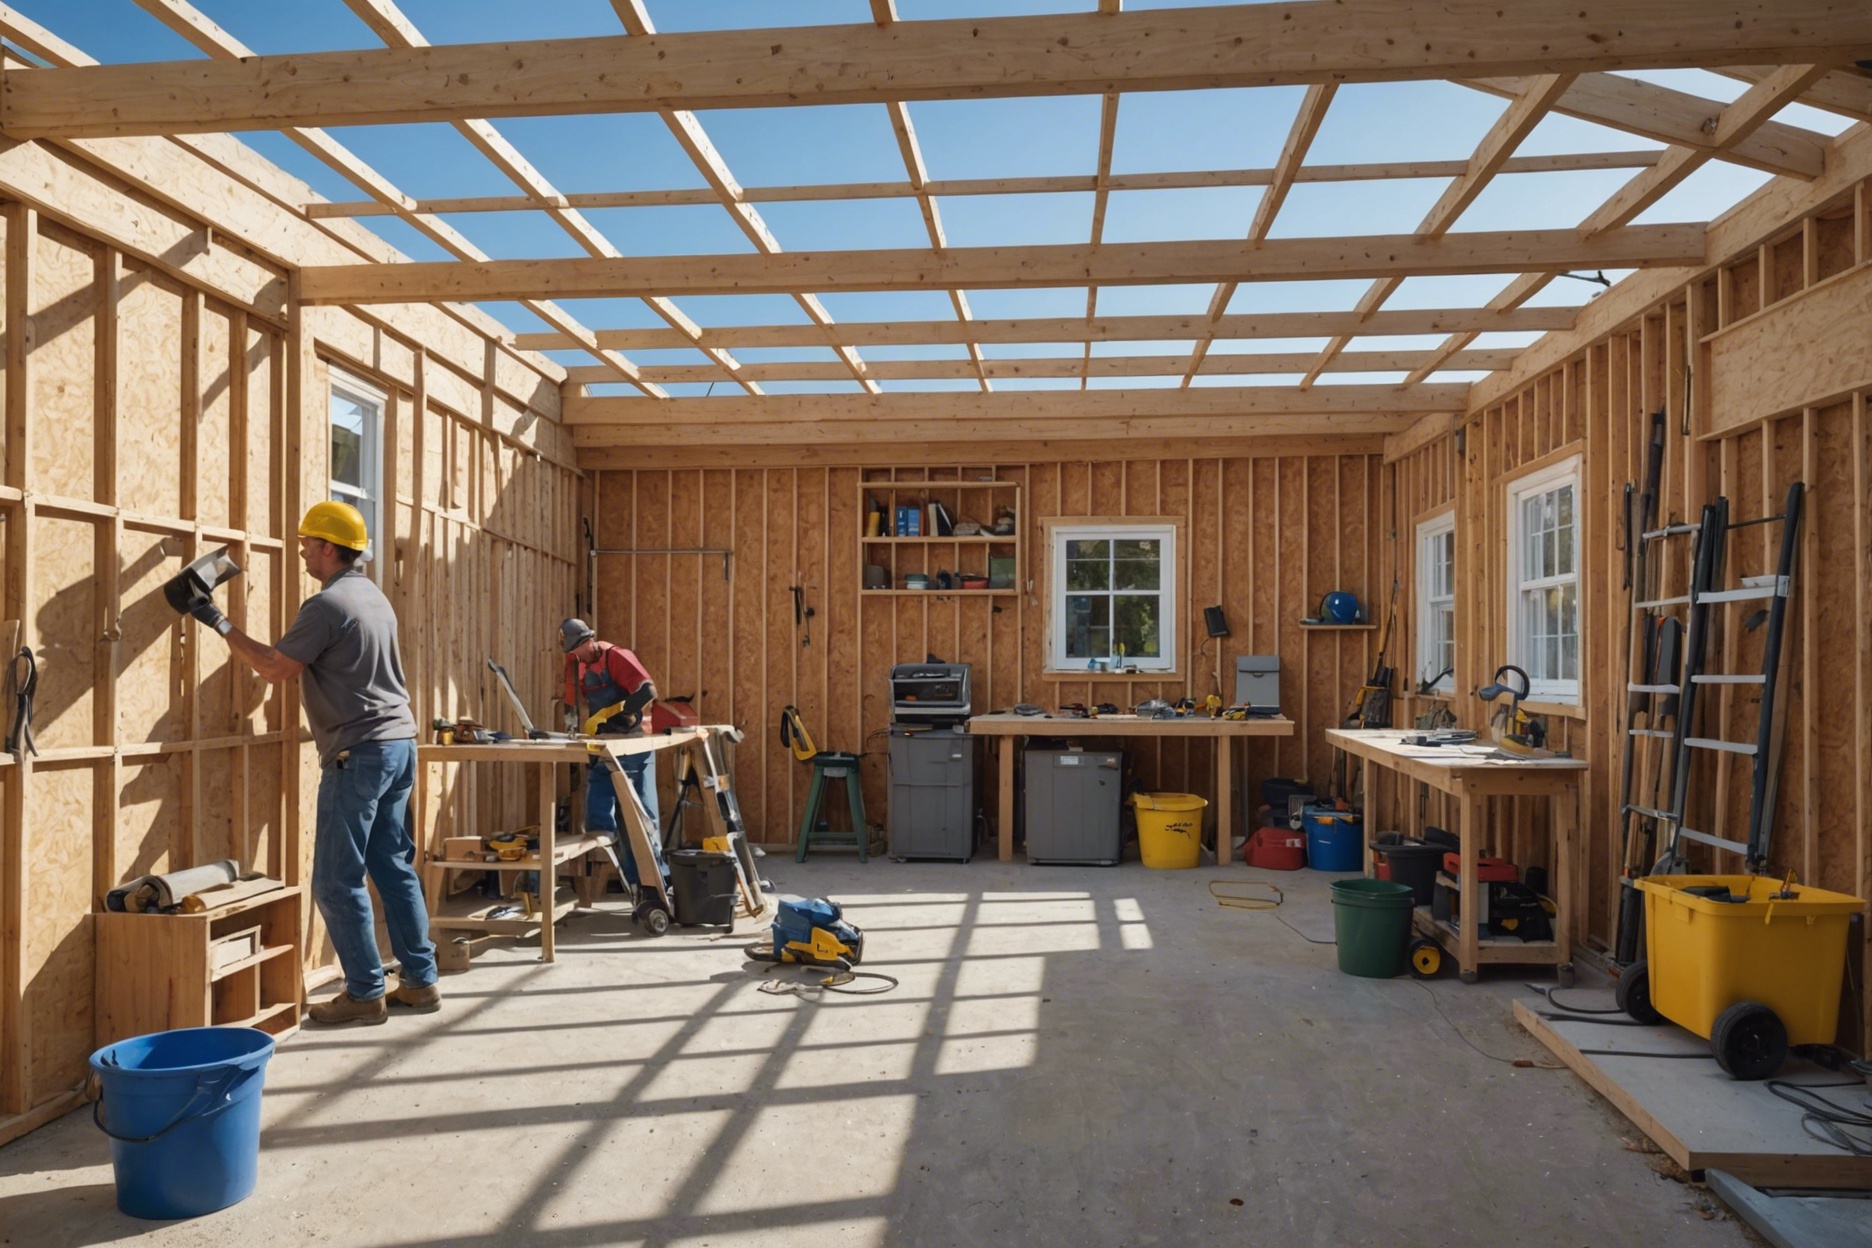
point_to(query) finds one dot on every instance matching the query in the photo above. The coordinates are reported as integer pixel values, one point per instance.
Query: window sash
(1108, 587)
(1545, 613)
(1436, 589)
(357, 409)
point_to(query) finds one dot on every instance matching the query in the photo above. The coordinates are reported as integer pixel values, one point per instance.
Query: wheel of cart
(1426, 958)
(652, 917)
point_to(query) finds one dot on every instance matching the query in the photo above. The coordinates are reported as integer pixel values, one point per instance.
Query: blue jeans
(363, 826)
(601, 804)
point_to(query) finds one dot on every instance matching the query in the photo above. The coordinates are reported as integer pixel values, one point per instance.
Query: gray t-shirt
(353, 687)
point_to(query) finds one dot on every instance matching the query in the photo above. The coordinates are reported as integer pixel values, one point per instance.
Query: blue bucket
(1335, 839)
(182, 1109)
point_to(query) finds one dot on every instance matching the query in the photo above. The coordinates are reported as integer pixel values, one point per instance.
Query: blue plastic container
(182, 1109)
(1335, 839)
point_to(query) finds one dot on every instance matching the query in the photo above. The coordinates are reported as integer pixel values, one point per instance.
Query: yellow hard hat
(341, 524)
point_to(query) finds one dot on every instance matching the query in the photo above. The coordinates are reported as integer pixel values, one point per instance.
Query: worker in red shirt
(607, 676)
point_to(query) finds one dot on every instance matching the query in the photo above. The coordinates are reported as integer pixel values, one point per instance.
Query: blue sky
(1156, 132)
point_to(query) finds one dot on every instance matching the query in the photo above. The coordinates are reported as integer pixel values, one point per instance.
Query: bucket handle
(182, 1115)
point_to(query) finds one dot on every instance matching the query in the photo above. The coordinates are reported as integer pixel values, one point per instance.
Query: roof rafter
(1089, 53)
(397, 31)
(687, 129)
(1260, 325)
(204, 33)
(1115, 264)
(927, 187)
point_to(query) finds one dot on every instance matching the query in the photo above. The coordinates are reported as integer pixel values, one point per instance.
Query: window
(1543, 579)
(1114, 595)
(1436, 602)
(357, 448)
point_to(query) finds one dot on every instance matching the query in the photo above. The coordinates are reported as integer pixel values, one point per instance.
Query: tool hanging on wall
(793, 735)
(23, 682)
(802, 614)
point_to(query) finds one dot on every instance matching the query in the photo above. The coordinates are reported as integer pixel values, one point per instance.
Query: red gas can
(1276, 849)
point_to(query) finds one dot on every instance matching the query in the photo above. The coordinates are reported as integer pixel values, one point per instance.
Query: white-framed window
(1544, 580)
(1436, 602)
(357, 419)
(1113, 595)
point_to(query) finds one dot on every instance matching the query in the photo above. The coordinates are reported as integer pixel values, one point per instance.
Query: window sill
(1080, 673)
(1559, 710)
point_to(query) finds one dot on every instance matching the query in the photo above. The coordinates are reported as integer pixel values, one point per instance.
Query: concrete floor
(1075, 1056)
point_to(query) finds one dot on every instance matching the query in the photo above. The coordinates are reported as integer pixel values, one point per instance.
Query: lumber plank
(1110, 264)
(1067, 54)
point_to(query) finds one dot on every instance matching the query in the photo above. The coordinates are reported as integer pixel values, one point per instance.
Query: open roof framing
(1235, 365)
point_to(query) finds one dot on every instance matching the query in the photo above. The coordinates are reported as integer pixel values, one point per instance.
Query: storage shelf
(265, 955)
(984, 538)
(565, 849)
(268, 1017)
(938, 593)
(471, 913)
(1341, 628)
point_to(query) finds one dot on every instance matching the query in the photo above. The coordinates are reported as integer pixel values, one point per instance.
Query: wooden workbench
(553, 851)
(1472, 774)
(1009, 727)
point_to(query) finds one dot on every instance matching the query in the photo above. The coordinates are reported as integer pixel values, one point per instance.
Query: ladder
(1709, 598)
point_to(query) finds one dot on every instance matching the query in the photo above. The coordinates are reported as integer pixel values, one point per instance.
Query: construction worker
(343, 648)
(611, 676)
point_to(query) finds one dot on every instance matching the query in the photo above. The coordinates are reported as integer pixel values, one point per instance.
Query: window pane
(1138, 625)
(1088, 565)
(1564, 564)
(348, 421)
(1088, 626)
(1137, 564)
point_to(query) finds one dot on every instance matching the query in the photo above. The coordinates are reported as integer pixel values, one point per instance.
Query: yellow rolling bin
(1753, 976)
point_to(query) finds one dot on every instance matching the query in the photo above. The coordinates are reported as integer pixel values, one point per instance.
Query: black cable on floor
(1236, 901)
(1547, 991)
(1827, 1120)
(1523, 1062)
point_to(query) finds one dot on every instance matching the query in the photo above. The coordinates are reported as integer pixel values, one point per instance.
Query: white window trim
(1436, 526)
(1566, 471)
(354, 388)
(1058, 532)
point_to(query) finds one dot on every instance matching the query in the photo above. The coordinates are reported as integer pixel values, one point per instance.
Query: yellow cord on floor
(1237, 901)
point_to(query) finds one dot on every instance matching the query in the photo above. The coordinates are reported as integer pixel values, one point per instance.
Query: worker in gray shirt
(343, 647)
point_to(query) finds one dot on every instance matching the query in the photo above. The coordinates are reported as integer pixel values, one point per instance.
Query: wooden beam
(1178, 180)
(735, 456)
(1251, 364)
(1133, 431)
(674, 417)
(1678, 118)
(1065, 54)
(1113, 264)
(1075, 329)
(1847, 92)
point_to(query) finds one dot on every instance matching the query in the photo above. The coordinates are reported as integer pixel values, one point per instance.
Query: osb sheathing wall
(149, 418)
(1763, 368)
(1263, 536)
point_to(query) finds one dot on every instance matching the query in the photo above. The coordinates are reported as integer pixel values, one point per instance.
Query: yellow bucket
(1788, 954)
(1169, 828)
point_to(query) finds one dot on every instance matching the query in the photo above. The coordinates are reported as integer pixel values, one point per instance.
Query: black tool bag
(1516, 910)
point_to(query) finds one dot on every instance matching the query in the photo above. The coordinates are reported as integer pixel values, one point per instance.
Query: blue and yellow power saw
(812, 931)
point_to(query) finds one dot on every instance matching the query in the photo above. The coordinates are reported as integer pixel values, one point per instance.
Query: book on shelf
(941, 524)
(874, 517)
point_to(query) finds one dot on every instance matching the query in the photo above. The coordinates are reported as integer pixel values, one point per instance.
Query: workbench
(554, 850)
(1472, 774)
(1009, 727)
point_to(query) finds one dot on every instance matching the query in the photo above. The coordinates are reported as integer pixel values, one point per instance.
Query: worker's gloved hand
(202, 607)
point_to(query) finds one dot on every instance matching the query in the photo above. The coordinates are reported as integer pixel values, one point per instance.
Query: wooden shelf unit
(157, 972)
(980, 501)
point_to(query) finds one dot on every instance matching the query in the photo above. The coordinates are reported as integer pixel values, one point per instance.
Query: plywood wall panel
(215, 453)
(64, 369)
(58, 949)
(64, 589)
(215, 834)
(150, 685)
(149, 824)
(149, 387)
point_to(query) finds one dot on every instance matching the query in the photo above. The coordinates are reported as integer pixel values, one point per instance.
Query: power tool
(1516, 732)
(812, 931)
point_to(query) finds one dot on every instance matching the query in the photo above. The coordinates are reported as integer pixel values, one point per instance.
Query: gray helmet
(575, 633)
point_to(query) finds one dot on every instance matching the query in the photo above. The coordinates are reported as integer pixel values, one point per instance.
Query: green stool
(828, 765)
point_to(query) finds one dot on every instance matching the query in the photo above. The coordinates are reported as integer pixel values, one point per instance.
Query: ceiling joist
(1113, 264)
(1063, 54)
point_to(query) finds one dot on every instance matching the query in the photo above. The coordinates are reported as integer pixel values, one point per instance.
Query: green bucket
(1372, 920)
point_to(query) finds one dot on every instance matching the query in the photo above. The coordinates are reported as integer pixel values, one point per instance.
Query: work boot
(408, 998)
(344, 1008)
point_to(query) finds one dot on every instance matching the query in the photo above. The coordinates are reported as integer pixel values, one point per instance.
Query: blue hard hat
(1339, 607)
